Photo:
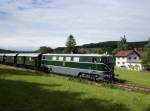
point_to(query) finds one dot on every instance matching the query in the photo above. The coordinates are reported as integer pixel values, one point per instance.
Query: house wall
(134, 66)
(121, 61)
(133, 58)
(132, 61)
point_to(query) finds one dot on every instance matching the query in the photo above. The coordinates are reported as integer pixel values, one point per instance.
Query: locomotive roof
(29, 54)
(78, 55)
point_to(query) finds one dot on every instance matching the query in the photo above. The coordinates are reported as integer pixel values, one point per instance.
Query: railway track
(124, 86)
(132, 87)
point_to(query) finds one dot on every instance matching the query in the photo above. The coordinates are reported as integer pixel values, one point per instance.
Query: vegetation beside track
(23, 90)
(133, 77)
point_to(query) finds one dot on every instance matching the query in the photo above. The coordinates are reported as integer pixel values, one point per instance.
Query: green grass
(134, 77)
(23, 90)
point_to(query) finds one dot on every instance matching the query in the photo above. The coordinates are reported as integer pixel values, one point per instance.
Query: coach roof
(2, 54)
(29, 54)
(11, 54)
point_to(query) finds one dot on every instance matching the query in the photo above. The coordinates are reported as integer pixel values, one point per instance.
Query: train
(90, 66)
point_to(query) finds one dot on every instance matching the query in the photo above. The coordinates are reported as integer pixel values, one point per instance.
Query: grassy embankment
(134, 77)
(23, 90)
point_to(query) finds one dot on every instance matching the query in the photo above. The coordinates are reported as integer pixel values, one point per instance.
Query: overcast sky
(28, 24)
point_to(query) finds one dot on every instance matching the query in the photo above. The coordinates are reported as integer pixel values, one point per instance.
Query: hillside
(6, 51)
(12, 51)
(107, 46)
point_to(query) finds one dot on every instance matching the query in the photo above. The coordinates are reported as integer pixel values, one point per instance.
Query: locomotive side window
(76, 59)
(85, 59)
(48, 57)
(94, 60)
(43, 57)
(60, 58)
(104, 60)
(68, 59)
(54, 58)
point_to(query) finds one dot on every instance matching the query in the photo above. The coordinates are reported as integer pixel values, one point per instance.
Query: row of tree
(70, 47)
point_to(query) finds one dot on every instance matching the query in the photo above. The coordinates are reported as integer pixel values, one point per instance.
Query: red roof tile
(124, 53)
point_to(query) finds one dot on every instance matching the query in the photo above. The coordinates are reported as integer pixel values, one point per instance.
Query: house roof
(125, 53)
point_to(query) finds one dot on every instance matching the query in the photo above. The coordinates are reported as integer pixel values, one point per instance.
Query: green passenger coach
(2, 58)
(31, 60)
(91, 66)
(10, 58)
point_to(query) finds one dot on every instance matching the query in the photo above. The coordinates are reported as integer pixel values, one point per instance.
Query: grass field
(23, 90)
(134, 77)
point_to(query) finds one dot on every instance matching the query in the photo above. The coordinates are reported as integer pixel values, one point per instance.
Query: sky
(29, 24)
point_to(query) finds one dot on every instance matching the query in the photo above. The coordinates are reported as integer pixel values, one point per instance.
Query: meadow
(26, 90)
(133, 77)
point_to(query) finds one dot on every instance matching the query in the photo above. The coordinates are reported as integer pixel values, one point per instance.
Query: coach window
(100, 59)
(20, 58)
(60, 58)
(31, 58)
(76, 59)
(68, 59)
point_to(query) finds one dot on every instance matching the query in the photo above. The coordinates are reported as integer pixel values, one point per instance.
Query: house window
(135, 58)
(118, 62)
(76, 59)
(129, 58)
(123, 62)
(123, 57)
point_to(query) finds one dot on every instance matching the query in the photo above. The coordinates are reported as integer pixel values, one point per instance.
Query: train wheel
(80, 75)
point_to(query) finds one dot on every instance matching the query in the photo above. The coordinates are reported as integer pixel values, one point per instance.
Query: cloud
(32, 23)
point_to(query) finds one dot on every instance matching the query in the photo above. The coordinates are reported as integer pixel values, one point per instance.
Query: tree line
(111, 46)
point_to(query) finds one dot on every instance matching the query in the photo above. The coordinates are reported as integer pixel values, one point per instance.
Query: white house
(129, 59)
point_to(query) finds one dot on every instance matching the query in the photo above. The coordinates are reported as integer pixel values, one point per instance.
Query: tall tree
(70, 45)
(45, 49)
(146, 56)
(122, 44)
